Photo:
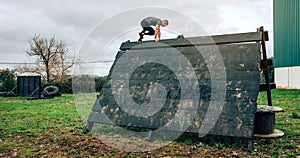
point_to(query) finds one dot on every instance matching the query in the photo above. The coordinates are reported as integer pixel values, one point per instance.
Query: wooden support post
(266, 70)
(88, 127)
(250, 144)
(151, 135)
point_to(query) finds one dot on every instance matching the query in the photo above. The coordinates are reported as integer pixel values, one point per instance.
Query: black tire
(51, 91)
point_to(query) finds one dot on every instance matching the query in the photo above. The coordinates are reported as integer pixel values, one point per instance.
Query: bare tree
(28, 68)
(51, 54)
(61, 67)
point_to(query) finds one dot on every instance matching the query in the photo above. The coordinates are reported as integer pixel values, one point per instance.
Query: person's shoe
(141, 34)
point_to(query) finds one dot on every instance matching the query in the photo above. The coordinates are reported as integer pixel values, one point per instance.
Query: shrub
(8, 80)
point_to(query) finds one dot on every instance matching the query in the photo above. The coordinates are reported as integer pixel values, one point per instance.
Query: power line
(85, 62)
(99, 61)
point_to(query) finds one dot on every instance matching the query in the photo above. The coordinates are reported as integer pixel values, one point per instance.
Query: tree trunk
(47, 73)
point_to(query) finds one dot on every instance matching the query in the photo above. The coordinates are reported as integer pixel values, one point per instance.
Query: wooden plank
(239, 106)
(263, 87)
(203, 77)
(234, 55)
(264, 64)
(229, 125)
(195, 41)
(238, 126)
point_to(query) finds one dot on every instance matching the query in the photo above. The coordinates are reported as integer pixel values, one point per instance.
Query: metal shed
(287, 43)
(29, 86)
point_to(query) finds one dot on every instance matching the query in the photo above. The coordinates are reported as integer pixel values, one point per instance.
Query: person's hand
(156, 39)
(157, 33)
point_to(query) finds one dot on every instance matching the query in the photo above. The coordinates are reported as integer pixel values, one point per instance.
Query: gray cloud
(71, 21)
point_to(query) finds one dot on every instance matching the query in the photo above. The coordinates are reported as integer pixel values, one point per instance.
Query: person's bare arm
(157, 33)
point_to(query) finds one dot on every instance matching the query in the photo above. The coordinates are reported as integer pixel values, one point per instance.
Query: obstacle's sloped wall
(241, 63)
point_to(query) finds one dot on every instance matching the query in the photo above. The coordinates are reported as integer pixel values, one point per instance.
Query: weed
(295, 115)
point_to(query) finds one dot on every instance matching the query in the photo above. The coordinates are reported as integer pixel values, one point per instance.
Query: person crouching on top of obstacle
(152, 21)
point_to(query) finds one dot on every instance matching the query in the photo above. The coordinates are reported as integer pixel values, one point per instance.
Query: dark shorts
(146, 27)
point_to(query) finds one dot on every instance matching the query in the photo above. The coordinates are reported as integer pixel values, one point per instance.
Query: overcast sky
(75, 21)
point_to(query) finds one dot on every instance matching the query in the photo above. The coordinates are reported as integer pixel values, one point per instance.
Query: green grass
(52, 127)
(287, 121)
(19, 114)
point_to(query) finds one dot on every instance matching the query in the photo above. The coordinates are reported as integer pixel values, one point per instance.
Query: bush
(66, 86)
(99, 82)
(8, 80)
(87, 84)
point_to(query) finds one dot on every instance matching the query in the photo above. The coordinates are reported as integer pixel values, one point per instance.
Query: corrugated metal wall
(286, 33)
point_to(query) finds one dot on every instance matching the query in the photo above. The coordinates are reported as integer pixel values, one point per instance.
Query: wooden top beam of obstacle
(197, 41)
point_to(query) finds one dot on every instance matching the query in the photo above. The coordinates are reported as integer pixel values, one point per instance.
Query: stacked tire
(51, 91)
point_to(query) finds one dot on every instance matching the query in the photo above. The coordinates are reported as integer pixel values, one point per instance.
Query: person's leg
(141, 34)
(150, 30)
(144, 25)
(144, 30)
